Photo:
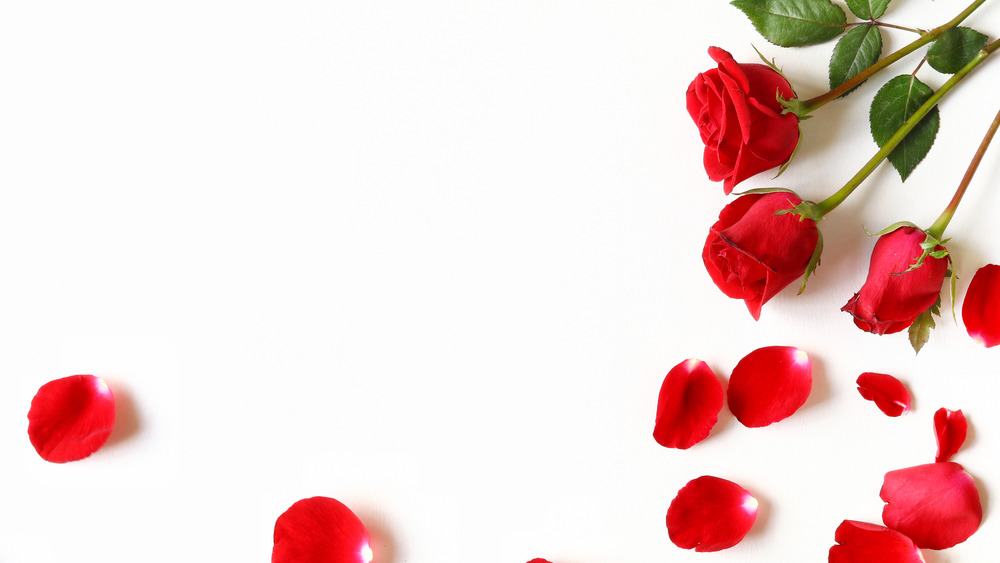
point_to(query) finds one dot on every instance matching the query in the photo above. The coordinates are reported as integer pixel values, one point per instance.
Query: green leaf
(867, 9)
(859, 49)
(955, 49)
(893, 105)
(794, 23)
(920, 330)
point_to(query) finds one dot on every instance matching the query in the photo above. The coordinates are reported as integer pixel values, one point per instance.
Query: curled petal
(951, 429)
(688, 406)
(861, 542)
(710, 514)
(981, 308)
(937, 504)
(769, 384)
(71, 418)
(888, 394)
(320, 530)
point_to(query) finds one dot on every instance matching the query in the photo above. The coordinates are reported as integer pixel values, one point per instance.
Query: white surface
(434, 259)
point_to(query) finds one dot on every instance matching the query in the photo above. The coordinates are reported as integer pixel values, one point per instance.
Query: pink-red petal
(710, 514)
(688, 406)
(861, 542)
(769, 384)
(937, 504)
(951, 429)
(887, 392)
(71, 418)
(320, 530)
(539, 560)
(981, 308)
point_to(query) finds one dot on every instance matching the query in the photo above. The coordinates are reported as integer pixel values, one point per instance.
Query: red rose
(892, 296)
(752, 253)
(739, 116)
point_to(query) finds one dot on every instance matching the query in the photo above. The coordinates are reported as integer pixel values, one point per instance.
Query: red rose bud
(893, 295)
(737, 111)
(752, 253)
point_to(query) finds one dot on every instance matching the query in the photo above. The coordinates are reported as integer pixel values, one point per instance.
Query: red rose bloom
(892, 297)
(752, 254)
(737, 111)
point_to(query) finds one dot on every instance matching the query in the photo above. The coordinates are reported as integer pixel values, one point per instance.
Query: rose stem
(810, 105)
(829, 204)
(937, 229)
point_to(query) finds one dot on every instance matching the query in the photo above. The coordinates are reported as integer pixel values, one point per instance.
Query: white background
(433, 259)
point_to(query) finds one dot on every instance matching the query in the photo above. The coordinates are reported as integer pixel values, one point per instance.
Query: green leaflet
(955, 49)
(867, 9)
(793, 23)
(857, 50)
(893, 105)
(920, 330)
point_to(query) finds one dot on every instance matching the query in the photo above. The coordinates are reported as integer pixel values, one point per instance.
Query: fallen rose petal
(951, 429)
(320, 530)
(71, 418)
(710, 514)
(688, 406)
(769, 384)
(539, 560)
(937, 504)
(887, 392)
(861, 542)
(981, 308)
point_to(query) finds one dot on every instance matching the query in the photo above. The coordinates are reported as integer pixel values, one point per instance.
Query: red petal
(981, 308)
(889, 395)
(320, 530)
(951, 428)
(861, 542)
(710, 514)
(937, 505)
(688, 406)
(539, 560)
(71, 418)
(769, 384)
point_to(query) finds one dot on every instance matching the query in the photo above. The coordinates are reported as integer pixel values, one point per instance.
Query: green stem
(810, 105)
(937, 229)
(829, 204)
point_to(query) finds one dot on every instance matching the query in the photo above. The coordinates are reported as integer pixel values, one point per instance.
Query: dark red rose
(752, 253)
(737, 111)
(893, 295)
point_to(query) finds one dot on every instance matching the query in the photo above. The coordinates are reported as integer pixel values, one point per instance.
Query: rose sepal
(813, 261)
(928, 246)
(795, 106)
(891, 228)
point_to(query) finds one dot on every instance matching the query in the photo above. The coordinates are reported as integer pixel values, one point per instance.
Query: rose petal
(71, 418)
(710, 514)
(688, 406)
(981, 308)
(320, 530)
(937, 505)
(769, 384)
(861, 542)
(951, 429)
(888, 394)
(539, 560)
